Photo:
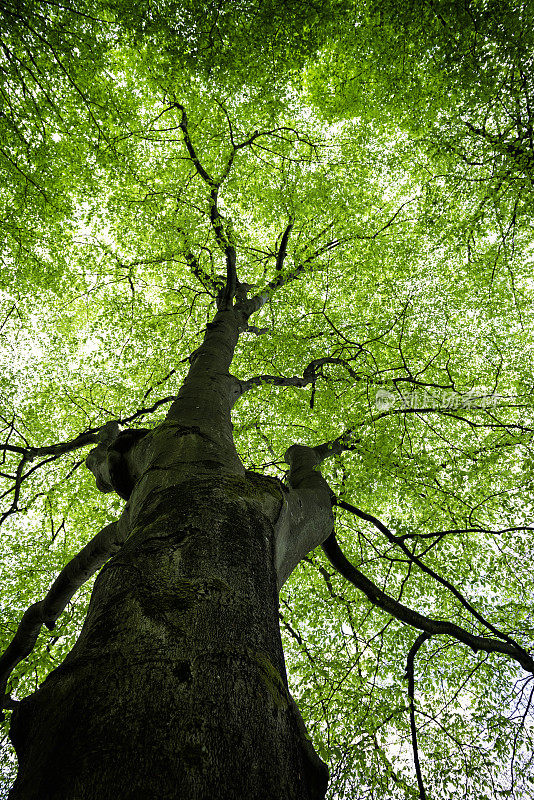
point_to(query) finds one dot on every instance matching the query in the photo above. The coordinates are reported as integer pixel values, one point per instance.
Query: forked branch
(310, 374)
(399, 542)
(413, 618)
(218, 223)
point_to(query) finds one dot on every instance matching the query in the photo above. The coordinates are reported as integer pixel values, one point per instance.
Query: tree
(322, 320)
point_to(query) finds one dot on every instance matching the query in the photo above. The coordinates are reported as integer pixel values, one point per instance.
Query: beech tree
(266, 317)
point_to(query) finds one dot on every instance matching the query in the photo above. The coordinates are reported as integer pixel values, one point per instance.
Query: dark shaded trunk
(176, 687)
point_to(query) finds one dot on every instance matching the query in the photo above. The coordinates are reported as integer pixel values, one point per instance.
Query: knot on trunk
(302, 461)
(113, 461)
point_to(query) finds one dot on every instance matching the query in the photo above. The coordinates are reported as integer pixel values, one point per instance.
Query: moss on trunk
(167, 694)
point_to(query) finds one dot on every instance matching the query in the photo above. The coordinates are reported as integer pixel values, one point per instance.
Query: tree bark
(176, 688)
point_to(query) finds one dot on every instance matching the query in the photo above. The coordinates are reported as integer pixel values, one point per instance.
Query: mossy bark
(169, 691)
(176, 688)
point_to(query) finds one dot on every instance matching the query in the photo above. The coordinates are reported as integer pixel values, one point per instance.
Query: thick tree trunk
(176, 687)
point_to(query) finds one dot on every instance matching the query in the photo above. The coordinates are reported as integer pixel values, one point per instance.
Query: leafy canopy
(398, 141)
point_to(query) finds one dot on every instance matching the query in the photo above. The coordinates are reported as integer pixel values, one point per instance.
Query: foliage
(406, 170)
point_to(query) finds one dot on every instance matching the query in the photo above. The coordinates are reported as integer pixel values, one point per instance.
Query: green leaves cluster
(398, 139)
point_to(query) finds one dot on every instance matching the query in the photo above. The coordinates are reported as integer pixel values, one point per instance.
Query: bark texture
(176, 688)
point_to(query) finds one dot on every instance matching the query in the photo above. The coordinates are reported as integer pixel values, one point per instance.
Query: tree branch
(222, 235)
(334, 447)
(106, 543)
(399, 542)
(81, 440)
(259, 300)
(413, 618)
(421, 639)
(282, 250)
(91, 436)
(207, 281)
(204, 174)
(227, 246)
(309, 375)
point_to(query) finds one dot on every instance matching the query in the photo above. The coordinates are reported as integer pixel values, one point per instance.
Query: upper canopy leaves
(394, 144)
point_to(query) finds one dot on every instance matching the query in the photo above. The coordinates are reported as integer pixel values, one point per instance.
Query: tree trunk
(176, 687)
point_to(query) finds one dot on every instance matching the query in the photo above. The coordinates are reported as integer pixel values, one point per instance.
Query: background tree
(381, 211)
